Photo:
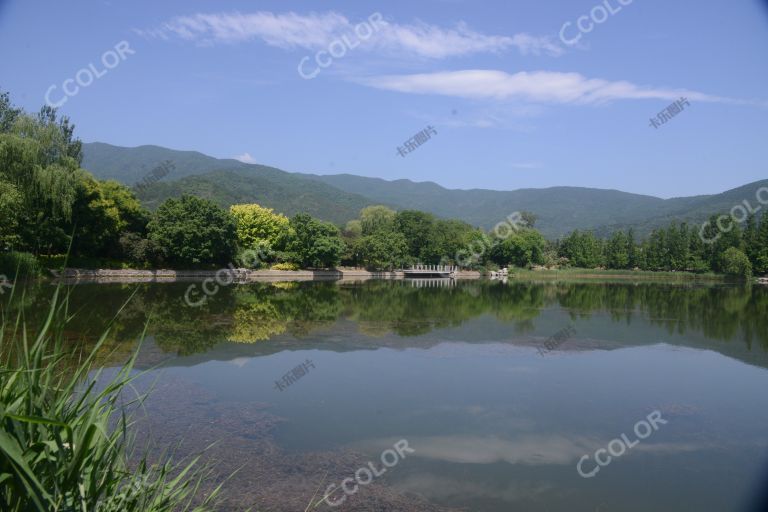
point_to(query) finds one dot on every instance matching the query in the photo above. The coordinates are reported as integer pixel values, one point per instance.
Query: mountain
(339, 198)
(223, 181)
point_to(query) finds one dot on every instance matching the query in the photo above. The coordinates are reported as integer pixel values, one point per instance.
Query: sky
(515, 93)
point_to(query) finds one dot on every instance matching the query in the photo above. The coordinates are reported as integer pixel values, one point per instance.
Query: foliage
(522, 248)
(736, 263)
(193, 231)
(65, 432)
(19, 264)
(257, 226)
(285, 266)
(314, 243)
(384, 251)
(374, 219)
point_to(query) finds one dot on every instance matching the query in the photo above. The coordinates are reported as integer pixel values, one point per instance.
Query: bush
(285, 266)
(193, 232)
(736, 263)
(19, 264)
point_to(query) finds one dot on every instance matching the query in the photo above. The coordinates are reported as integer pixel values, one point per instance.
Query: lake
(563, 396)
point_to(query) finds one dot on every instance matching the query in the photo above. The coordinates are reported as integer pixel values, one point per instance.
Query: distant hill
(223, 181)
(338, 198)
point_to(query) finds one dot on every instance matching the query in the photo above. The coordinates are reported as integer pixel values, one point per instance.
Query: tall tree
(314, 243)
(192, 231)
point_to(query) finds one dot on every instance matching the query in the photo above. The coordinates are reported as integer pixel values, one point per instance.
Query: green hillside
(340, 197)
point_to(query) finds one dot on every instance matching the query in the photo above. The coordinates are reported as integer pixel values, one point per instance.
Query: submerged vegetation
(65, 430)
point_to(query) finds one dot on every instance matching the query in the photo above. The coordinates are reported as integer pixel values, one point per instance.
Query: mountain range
(340, 197)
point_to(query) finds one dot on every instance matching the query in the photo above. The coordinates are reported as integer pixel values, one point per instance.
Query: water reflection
(386, 310)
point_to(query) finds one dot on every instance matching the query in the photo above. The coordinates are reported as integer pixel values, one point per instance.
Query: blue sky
(513, 105)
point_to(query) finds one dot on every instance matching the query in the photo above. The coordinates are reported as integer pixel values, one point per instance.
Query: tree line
(50, 206)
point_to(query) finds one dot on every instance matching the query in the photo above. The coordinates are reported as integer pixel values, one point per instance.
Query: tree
(528, 218)
(618, 251)
(522, 248)
(417, 228)
(750, 238)
(761, 247)
(258, 226)
(582, 249)
(735, 263)
(10, 210)
(8, 113)
(314, 243)
(377, 218)
(384, 251)
(193, 231)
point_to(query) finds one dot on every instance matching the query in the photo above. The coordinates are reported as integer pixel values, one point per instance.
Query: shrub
(19, 264)
(736, 263)
(285, 266)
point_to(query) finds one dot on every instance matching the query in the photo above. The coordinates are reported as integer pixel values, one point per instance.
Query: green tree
(384, 251)
(417, 229)
(193, 231)
(522, 248)
(582, 249)
(257, 226)
(10, 213)
(314, 243)
(377, 218)
(761, 247)
(618, 251)
(735, 263)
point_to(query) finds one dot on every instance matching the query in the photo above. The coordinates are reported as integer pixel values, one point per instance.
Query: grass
(65, 431)
(617, 274)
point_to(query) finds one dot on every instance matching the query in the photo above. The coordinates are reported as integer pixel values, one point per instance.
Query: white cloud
(536, 86)
(316, 31)
(246, 158)
(527, 165)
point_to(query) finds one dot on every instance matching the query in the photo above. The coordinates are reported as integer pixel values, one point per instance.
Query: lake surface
(499, 390)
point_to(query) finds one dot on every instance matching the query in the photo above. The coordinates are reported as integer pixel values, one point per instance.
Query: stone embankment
(238, 275)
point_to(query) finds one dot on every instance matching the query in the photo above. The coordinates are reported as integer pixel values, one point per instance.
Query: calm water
(496, 420)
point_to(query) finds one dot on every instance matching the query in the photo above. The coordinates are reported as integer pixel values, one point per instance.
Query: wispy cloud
(527, 165)
(536, 86)
(246, 158)
(316, 31)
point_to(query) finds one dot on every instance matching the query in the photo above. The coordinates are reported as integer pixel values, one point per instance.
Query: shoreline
(77, 275)
(71, 275)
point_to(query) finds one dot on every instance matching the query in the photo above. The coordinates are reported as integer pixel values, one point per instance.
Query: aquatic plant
(66, 441)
